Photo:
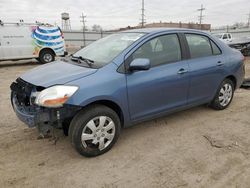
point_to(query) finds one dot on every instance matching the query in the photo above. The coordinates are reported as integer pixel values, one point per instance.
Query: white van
(24, 41)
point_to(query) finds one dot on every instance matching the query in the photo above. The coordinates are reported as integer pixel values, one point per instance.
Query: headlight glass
(55, 96)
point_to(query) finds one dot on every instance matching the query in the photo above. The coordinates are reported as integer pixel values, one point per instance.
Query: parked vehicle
(241, 44)
(25, 41)
(226, 37)
(126, 78)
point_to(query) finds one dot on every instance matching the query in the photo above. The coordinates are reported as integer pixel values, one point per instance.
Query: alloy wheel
(98, 133)
(47, 57)
(225, 95)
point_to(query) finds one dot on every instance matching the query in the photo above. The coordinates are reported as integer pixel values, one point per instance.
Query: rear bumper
(64, 54)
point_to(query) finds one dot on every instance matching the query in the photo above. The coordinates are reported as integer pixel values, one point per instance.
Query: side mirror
(140, 64)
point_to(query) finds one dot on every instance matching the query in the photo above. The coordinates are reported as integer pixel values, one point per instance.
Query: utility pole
(143, 21)
(83, 20)
(201, 15)
(248, 21)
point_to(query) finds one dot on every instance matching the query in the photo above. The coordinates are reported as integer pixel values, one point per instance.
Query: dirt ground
(199, 147)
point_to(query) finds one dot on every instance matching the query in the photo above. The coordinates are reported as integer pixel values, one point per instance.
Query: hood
(56, 73)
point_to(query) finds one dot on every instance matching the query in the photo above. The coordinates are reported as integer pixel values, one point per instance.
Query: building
(206, 27)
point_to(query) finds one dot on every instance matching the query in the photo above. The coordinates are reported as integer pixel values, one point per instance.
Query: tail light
(61, 33)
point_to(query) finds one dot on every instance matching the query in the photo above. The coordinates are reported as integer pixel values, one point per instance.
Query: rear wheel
(224, 95)
(46, 56)
(94, 130)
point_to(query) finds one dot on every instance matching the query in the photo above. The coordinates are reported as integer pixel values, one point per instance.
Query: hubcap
(98, 132)
(225, 96)
(47, 58)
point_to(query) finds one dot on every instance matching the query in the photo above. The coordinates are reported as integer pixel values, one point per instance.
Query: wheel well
(113, 106)
(47, 49)
(233, 79)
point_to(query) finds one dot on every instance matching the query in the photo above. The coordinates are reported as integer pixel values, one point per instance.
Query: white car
(24, 41)
(225, 37)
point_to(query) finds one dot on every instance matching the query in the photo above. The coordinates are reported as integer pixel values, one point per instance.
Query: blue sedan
(126, 78)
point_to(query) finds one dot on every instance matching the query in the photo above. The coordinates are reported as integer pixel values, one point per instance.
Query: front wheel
(46, 56)
(94, 130)
(224, 95)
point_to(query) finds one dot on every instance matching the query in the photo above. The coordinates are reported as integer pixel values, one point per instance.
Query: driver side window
(160, 50)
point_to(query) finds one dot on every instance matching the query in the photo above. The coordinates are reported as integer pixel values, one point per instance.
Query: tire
(46, 56)
(222, 101)
(88, 125)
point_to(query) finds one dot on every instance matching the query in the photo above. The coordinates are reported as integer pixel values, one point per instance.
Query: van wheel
(94, 130)
(46, 56)
(224, 95)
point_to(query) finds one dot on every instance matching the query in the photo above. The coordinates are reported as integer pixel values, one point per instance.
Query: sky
(111, 14)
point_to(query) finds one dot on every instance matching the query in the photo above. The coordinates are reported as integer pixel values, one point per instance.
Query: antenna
(201, 15)
(83, 20)
(143, 21)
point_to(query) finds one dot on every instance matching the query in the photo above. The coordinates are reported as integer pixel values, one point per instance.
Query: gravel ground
(199, 147)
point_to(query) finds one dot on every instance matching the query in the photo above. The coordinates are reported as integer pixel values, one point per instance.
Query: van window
(161, 50)
(225, 36)
(199, 45)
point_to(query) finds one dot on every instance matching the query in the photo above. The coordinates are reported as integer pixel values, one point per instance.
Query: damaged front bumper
(29, 115)
(36, 116)
(246, 83)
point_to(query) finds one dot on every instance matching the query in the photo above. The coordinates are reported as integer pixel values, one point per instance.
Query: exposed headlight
(55, 96)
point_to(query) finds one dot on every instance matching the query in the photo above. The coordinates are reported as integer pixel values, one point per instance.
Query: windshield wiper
(80, 59)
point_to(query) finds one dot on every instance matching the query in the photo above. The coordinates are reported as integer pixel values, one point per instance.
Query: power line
(201, 15)
(143, 21)
(83, 20)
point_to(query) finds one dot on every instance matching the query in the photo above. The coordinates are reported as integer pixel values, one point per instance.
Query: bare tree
(96, 28)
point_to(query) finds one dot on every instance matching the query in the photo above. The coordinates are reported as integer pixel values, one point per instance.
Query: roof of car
(160, 29)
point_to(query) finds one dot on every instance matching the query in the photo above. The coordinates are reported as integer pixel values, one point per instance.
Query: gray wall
(74, 39)
(236, 33)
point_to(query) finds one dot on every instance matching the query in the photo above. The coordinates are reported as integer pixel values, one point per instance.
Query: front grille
(22, 90)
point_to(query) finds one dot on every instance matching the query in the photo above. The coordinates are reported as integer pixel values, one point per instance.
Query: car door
(7, 43)
(206, 68)
(164, 86)
(17, 42)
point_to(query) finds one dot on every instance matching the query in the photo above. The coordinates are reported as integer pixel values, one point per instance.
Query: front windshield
(103, 51)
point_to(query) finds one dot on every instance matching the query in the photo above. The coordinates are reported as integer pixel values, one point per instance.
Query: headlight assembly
(55, 96)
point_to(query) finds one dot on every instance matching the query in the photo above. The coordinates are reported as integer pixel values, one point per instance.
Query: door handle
(182, 71)
(219, 63)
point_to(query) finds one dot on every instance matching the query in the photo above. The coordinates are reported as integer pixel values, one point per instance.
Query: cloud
(120, 13)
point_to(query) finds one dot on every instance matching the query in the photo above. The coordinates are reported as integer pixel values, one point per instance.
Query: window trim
(209, 39)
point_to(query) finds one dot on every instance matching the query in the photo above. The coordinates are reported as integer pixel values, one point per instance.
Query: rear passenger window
(216, 50)
(199, 46)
